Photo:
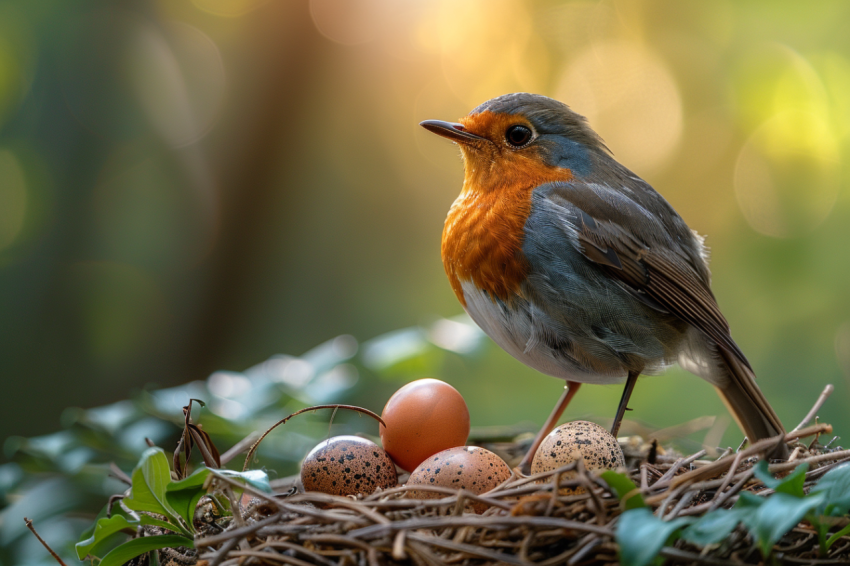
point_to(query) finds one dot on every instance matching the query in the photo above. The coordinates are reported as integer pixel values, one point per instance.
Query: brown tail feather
(747, 403)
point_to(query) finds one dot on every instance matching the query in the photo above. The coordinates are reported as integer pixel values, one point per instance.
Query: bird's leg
(569, 391)
(624, 401)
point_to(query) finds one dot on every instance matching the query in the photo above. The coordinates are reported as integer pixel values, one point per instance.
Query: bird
(578, 268)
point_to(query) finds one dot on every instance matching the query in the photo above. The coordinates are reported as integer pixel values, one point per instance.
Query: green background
(188, 186)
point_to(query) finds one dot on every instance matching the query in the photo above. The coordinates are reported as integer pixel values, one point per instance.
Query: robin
(577, 267)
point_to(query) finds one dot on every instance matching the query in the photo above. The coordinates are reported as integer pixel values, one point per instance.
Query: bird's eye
(518, 136)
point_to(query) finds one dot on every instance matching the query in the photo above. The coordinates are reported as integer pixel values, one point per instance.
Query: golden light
(228, 8)
(350, 22)
(630, 98)
(434, 101)
(478, 42)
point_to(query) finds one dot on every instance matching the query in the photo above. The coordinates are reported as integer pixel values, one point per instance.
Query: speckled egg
(348, 465)
(465, 467)
(568, 442)
(423, 418)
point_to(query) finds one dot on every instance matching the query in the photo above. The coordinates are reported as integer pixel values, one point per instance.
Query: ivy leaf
(641, 535)
(771, 517)
(835, 485)
(194, 481)
(626, 490)
(836, 536)
(104, 528)
(151, 478)
(183, 495)
(148, 520)
(791, 484)
(257, 479)
(138, 546)
(715, 526)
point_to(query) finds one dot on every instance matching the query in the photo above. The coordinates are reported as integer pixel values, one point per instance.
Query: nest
(566, 516)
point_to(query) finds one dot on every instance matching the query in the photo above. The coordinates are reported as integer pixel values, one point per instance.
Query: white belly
(516, 331)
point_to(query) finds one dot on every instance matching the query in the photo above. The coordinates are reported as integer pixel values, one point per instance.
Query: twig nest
(423, 418)
(470, 468)
(596, 447)
(348, 465)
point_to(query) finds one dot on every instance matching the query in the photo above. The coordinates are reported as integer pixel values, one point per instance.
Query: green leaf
(837, 536)
(624, 488)
(821, 528)
(132, 548)
(148, 520)
(791, 484)
(257, 479)
(715, 526)
(103, 528)
(150, 480)
(835, 484)
(183, 495)
(750, 500)
(117, 509)
(774, 515)
(194, 481)
(641, 535)
(150, 484)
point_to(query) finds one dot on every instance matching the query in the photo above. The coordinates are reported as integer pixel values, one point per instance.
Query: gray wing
(627, 243)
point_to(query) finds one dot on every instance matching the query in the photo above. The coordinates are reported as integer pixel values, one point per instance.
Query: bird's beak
(454, 132)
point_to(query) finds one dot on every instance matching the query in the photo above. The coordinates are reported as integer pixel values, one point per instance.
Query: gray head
(521, 126)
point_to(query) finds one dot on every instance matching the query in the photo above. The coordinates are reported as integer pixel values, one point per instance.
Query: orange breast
(483, 234)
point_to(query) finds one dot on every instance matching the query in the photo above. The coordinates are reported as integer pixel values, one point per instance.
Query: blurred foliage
(187, 185)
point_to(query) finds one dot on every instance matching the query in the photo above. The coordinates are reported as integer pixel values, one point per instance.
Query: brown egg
(578, 439)
(465, 467)
(348, 465)
(423, 418)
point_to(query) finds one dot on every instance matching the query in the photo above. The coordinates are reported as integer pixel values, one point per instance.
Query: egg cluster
(426, 426)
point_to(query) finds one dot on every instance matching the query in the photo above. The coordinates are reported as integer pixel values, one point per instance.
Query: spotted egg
(348, 465)
(597, 448)
(465, 467)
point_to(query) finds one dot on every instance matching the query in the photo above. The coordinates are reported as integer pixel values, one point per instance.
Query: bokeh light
(228, 8)
(350, 22)
(18, 58)
(630, 98)
(178, 78)
(787, 175)
(192, 186)
(478, 42)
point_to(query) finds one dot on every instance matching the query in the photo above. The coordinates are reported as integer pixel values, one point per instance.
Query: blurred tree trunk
(265, 142)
